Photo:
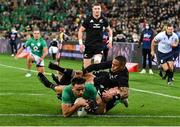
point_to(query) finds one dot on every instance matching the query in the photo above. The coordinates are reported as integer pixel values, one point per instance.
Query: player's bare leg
(30, 60)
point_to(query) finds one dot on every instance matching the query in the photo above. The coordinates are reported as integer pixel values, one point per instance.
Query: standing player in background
(93, 26)
(54, 47)
(146, 39)
(13, 41)
(166, 40)
(39, 51)
(105, 48)
(61, 39)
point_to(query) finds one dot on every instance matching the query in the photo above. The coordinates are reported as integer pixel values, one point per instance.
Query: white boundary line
(134, 89)
(18, 68)
(96, 116)
(21, 94)
(155, 93)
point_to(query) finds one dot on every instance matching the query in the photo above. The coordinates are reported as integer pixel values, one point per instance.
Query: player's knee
(97, 58)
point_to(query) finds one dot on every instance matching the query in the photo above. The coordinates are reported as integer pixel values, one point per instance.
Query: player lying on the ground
(80, 94)
(110, 93)
(113, 85)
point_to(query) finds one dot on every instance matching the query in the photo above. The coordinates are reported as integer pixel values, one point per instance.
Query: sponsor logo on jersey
(91, 21)
(96, 26)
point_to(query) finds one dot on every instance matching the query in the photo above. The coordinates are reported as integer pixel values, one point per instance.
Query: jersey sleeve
(106, 24)
(100, 66)
(85, 23)
(66, 98)
(93, 91)
(27, 43)
(158, 37)
(44, 44)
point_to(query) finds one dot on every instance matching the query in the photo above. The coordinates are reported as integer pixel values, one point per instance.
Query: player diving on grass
(112, 86)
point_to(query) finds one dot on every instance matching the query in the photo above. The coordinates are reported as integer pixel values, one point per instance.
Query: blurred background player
(38, 49)
(13, 36)
(166, 40)
(105, 47)
(146, 39)
(54, 47)
(93, 26)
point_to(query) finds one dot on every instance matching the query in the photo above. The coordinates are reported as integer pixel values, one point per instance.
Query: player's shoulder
(161, 34)
(88, 18)
(104, 17)
(89, 86)
(175, 35)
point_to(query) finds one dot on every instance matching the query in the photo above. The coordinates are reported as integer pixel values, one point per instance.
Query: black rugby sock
(56, 67)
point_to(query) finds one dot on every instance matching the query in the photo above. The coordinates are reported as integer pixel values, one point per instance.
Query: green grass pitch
(26, 102)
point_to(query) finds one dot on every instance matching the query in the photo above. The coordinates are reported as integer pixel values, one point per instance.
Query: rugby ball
(81, 112)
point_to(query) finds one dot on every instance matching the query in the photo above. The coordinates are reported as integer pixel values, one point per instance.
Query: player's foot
(28, 75)
(45, 81)
(12, 54)
(150, 71)
(125, 102)
(143, 71)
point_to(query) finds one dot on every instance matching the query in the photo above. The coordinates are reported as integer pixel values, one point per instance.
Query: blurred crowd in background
(127, 17)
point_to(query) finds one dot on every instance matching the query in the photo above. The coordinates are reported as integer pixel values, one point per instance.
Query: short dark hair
(96, 4)
(36, 29)
(78, 80)
(169, 25)
(121, 59)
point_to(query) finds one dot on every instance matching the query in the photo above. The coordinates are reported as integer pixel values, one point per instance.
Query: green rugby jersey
(36, 46)
(68, 97)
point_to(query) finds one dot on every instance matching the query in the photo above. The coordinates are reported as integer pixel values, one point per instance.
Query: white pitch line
(155, 93)
(21, 94)
(96, 116)
(134, 89)
(23, 69)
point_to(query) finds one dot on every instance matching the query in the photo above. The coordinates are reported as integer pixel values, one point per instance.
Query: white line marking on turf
(134, 89)
(18, 68)
(21, 94)
(155, 93)
(105, 116)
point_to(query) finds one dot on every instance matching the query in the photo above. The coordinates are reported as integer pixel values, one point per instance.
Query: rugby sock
(55, 78)
(45, 81)
(160, 71)
(56, 67)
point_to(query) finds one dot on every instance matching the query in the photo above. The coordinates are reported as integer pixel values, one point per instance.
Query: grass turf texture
(21, 97)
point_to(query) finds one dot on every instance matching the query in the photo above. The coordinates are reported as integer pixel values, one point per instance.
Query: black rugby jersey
(94, 30)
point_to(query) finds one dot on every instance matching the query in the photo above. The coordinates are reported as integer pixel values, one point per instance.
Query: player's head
(96, 10)
(36, 33)
(169, 29)
(78, 84)
(118, 63)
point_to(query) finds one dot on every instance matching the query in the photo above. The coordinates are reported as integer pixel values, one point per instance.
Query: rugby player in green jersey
(38, 52)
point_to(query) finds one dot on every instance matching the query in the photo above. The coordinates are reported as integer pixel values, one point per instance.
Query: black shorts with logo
(90, 51)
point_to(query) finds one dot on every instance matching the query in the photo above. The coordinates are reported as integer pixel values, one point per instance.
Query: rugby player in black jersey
(93, 27)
